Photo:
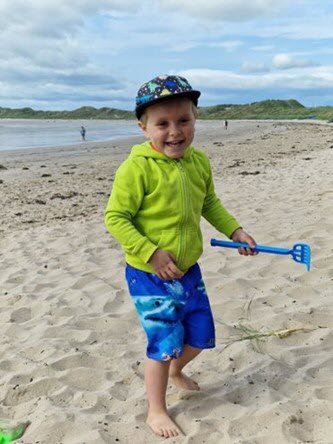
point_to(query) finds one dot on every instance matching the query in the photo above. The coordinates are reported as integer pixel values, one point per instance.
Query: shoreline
(24, 134)
(129, 139)
(80, 146)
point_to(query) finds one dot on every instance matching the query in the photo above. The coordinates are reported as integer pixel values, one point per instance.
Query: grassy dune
(267, 109)
(85, 112)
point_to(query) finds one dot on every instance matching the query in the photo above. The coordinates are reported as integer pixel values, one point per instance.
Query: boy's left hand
(241, 235)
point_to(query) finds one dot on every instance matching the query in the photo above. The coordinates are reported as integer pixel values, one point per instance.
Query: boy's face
(170, 126)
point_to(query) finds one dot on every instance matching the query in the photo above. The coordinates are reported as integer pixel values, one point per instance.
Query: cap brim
(193, 95)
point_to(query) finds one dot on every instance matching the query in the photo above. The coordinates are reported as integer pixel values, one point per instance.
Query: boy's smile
(170, 126)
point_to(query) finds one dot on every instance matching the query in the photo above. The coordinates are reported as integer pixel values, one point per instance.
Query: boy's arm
(213, 210)
(219, 217)
(124, 203)
(215, 213)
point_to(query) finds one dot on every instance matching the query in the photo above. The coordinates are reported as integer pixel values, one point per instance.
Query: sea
(23, 133)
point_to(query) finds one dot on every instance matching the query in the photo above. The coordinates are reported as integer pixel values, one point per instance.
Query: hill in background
(85, 112)
(266, 109)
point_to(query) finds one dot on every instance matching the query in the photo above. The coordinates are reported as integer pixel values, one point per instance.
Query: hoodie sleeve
(213, 210)
(124, 203)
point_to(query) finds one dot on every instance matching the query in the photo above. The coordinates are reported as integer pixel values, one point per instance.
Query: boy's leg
(176, 366)
(198, 326)
(156, 379)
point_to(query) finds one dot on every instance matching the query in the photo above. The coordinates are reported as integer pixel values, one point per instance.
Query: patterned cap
(163, 87)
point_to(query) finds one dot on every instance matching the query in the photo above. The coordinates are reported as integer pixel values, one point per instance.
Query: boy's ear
(143, 127)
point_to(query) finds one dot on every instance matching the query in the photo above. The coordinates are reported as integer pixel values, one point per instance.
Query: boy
(159, 195)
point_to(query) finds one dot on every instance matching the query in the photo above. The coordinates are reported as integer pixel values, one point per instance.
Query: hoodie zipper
(184, 194)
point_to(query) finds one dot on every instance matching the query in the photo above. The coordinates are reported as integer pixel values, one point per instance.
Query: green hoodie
(157, 202)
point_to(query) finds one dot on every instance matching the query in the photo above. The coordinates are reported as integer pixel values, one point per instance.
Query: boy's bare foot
(162, 425)
(184, 382)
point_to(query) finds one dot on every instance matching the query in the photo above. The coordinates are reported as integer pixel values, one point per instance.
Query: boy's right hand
(165, 266)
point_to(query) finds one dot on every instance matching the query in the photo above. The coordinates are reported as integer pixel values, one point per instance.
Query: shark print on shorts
(172, 313)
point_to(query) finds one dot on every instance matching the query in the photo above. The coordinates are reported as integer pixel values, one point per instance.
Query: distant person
(158, 197)
(83, 133)
(225, 124)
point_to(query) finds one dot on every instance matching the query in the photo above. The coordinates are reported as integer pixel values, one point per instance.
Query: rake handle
(259, 248)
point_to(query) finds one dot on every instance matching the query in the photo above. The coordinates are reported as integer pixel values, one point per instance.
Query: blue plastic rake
(301, 253)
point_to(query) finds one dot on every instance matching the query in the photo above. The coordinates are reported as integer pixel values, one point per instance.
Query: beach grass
(246, 332)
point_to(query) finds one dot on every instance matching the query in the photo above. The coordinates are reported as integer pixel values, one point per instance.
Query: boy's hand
(165, 265)
(241, 236)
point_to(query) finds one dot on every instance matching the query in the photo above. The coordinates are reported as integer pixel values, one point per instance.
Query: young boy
(159, 195)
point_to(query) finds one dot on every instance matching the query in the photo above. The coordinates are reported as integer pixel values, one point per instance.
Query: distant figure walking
(225, 124)
(83, 133)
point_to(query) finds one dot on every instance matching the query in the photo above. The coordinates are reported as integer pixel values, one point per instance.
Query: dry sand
(72, 348)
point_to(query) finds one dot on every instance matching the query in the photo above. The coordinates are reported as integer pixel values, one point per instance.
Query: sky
(64, 54)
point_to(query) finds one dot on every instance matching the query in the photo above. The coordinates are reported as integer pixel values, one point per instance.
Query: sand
(72, 348)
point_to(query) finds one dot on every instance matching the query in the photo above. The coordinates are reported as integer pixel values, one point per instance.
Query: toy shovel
(301, 253)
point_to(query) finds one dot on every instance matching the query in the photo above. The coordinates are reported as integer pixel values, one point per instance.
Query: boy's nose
(174, 129)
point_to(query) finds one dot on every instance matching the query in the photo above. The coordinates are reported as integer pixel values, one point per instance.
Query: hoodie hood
(145, 150)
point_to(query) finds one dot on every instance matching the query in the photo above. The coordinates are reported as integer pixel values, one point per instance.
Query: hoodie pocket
(168, 241)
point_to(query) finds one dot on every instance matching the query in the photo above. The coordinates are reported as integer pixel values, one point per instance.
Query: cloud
(219, 80)
(48, 52)
(263, 48)
(288, 61)
(84, 52)
(311, 84)
(228, 45)
(225, 10)
(30, 29)
(252, 67)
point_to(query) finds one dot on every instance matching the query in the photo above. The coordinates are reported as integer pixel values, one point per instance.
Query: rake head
(302, 253)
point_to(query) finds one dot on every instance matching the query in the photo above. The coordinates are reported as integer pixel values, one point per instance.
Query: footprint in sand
(87, 379)
(78, 360)
(24, 393)
(21, 315)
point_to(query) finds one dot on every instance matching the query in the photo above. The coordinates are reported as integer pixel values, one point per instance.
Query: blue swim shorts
(172, 313)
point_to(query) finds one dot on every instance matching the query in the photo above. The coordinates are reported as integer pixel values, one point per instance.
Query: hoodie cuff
(144, 250)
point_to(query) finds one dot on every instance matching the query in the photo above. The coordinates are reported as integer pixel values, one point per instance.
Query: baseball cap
(163, 87)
